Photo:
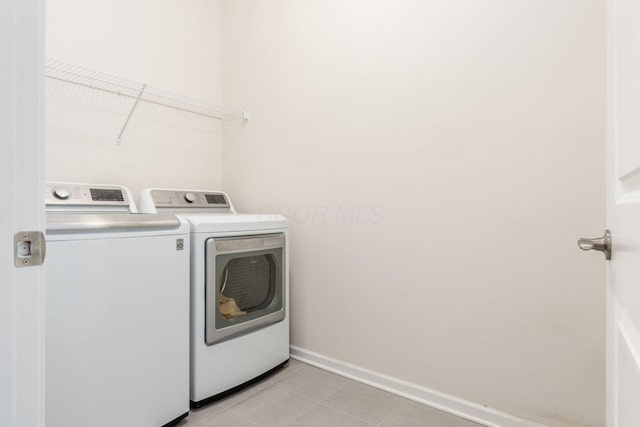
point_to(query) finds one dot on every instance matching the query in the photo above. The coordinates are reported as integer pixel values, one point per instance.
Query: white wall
(171, 45)
(438, 160)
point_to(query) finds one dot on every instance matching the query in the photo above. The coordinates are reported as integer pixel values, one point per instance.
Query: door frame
(623, 206)
(22, 297)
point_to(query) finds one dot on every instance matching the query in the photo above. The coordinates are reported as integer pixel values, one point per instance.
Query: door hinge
(30, 248)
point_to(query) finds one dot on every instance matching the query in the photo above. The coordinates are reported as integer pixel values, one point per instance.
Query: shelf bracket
(133, 108)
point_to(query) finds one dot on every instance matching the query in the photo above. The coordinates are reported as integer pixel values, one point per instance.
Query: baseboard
(451, 404)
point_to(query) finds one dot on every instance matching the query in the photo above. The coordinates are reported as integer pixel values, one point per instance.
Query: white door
(21, 209)
(623, 213)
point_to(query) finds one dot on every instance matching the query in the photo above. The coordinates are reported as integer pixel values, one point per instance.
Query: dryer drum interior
(247, 284)
(244, 285)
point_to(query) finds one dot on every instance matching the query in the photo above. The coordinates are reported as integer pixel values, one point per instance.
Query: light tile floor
(301, 395)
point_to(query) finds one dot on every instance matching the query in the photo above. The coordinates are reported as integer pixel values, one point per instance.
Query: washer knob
(61, 193)
(190, 197)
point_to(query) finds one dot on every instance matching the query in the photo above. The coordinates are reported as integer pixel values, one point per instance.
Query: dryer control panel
(184, 200)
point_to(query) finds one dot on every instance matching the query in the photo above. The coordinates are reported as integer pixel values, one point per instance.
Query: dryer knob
(61, 193)
(190, 197)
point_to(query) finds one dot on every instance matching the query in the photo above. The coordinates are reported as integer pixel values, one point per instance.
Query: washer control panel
(61, 193)
(189, 199)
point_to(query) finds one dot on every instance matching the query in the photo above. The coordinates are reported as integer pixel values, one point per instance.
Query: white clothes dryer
(239, 290)
(117, 311)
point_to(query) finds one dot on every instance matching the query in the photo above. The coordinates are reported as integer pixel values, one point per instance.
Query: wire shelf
(138, 92)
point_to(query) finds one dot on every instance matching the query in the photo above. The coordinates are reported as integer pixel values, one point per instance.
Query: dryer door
(244, 286)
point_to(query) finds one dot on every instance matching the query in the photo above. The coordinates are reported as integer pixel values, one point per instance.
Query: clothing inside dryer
(248, 284)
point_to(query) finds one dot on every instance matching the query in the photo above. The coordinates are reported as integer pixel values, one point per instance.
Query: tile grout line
(249, 397)
(289, 369)
(268, 386)
(322, 400)
(339, 388)
(325, 403)
(390, 412)
(358, 418)
(299, 394)
(279, 387)
(247, 420)
(201, 423)
(303, 414)
(350, 415)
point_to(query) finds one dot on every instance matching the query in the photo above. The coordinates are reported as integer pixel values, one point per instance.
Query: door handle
(602, 244)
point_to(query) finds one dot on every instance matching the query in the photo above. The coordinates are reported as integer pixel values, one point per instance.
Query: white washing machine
(117, 311)
(239, 290)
